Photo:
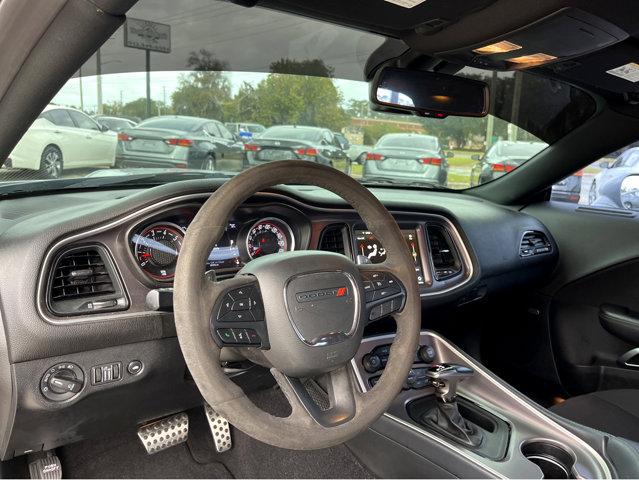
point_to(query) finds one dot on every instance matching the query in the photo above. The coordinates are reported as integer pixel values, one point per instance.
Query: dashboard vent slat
(444, 255)
(81, 274)
(534, 243)
(332, 239)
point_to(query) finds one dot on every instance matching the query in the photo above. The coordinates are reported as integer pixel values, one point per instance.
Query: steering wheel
(301, 314)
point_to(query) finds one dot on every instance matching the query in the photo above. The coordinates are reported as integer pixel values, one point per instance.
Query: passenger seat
(612, 411)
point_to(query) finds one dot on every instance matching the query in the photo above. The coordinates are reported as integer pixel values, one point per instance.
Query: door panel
(598, 267)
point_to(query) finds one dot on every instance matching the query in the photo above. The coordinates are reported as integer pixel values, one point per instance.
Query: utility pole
(81, 93)
(514, 117)
(98, 70)
(148, 83)
(490, 121)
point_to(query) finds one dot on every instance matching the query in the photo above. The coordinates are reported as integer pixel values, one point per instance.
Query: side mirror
(449, 154)
(629, 193)
(604, 164)
(476, 157)
(103, 128)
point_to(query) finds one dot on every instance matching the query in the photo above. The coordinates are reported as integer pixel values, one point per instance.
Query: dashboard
(81, 267)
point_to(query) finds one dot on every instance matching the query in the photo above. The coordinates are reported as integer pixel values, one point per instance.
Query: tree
(205, 91)
(136, 108)
(359, 109)
(314, 68)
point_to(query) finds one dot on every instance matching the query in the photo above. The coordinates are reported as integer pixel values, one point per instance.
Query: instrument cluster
(156, 244)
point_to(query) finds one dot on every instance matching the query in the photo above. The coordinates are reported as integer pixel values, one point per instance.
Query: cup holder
(553, 460)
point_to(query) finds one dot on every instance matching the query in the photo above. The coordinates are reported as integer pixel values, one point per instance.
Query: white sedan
(63, 138)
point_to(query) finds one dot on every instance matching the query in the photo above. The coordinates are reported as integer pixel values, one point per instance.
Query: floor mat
(124, 457)
(252, 459)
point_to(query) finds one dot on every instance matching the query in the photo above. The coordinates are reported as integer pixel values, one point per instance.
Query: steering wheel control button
(226, 335)
(135, 367)
(244, 304)
(62, 382)
(108, 373)
(253, 336)
(241, 293)
(225, 306)
(240, 335)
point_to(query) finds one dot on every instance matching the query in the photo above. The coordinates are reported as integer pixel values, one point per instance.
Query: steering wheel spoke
(237, 313)
(329, 400)
(384, 294)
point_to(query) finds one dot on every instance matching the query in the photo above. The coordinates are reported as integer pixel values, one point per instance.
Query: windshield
(230, 88)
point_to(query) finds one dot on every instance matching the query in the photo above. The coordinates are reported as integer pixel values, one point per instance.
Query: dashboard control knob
(62, 382)
(371, 363)
(426, 353)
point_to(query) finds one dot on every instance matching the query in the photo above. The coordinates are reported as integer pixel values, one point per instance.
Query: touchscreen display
(226, 253)
(368, 246)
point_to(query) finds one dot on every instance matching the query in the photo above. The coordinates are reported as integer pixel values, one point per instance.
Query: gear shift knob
(445, 377)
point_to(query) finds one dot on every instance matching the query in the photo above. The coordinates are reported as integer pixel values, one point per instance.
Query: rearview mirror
(429, 94)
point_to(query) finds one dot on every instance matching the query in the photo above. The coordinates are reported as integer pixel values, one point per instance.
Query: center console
(454, 418)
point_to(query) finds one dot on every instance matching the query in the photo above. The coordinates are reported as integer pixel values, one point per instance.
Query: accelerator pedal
(165, 433)
(45, 466)
(220, 429)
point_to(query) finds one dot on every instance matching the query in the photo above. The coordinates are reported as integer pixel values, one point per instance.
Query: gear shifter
(445, 416)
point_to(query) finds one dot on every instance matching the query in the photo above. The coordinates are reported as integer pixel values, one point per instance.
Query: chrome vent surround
(534, 243)
(84, 280)
(332, 239)
(444, 255)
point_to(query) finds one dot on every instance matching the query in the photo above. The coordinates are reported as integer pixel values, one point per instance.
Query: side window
(225, 133)
(59, 117)
(327, 137)
(83, 121)
(610, 182)
(211, 129)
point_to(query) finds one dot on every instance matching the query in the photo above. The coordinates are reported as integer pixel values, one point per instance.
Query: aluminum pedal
(220, 429)
(46, 467)
(165, 433)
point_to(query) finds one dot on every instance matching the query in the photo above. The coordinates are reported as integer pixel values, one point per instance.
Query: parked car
(503, 157)
(624, 165)
(61, 139)
(569, 189)
(115, 124)
(292, 142)
(357, 153)
(177, 141)
(245, 131)
(407, 157)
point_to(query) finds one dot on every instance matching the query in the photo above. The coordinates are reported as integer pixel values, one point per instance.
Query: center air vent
(446, 262)
(534, 243)
(332, 239)
(83, 280)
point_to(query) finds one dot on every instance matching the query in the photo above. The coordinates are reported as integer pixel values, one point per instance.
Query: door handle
(57, 131)
(89, 137)
(621, 322)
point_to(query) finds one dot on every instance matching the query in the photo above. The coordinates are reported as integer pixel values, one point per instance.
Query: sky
(127, 87)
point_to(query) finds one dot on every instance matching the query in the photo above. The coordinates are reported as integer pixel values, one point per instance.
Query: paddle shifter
(445, 416)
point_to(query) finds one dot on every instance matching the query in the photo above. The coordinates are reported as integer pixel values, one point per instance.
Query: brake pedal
(46, 466)
(165, 433)
(220, 429)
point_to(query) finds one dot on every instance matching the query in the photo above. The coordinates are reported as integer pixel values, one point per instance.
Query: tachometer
(157, 248)
(267, 236)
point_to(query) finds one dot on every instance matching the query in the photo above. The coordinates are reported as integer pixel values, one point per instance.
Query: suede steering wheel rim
(291, 357)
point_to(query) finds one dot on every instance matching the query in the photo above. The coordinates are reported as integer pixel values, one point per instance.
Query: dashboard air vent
(446, 262)
(83, 280)
(332, 239)
(534, 243)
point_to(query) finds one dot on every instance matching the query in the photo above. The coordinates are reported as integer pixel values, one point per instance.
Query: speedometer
(267, 236)
(157, 248)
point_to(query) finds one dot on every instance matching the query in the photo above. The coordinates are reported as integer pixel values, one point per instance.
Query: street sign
(147, 35)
